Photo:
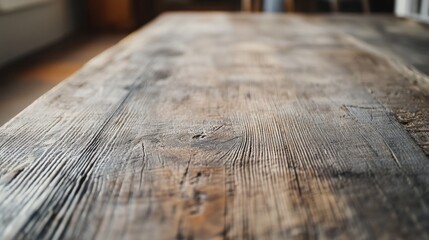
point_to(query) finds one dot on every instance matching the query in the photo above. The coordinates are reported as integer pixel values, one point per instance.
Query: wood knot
(199, 135)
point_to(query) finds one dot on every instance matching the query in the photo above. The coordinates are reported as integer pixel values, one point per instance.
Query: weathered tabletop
(224, 126)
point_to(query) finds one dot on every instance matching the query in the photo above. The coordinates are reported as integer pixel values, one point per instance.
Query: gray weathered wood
(223, 126)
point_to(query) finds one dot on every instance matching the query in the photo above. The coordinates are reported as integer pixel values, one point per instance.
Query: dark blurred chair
(146, 10)
(335, 5)
(196, 5)
(307, 5)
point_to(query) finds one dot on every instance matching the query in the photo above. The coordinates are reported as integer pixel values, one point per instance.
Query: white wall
(26, 30)
(411, 9)
(401, 8)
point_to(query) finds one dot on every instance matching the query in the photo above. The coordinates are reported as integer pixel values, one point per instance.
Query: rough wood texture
(222, 126)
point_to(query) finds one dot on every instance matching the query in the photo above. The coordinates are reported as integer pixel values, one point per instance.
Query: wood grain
(213, 126)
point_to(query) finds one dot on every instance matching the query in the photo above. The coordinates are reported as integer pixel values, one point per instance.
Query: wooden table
(224, 126)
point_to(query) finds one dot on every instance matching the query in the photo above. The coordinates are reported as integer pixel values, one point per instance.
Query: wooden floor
(22, 82)
(218, 126)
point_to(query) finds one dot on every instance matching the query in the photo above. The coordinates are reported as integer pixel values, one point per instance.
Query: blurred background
(42, 42)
